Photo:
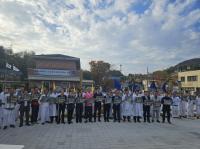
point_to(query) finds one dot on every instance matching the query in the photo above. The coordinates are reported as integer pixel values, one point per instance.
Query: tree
(21, 60)
(87, 75)
(99, 71)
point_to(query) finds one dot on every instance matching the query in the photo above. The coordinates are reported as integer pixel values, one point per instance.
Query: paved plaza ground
(182, 134)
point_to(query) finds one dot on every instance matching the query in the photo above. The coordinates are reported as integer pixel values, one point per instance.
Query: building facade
(55, 70)
(190, 80)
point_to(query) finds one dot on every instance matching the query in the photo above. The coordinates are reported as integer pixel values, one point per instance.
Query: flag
(74, 89)
(117, 84)
(92, 88)
(164, 87)
(8, 66)
(42, 88)
(54, 85)
(153, 86)
(15, 68)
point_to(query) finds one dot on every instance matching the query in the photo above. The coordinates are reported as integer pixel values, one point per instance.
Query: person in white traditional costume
(198, 106)
(52, 105)
(138, 106)
(127, 106)
(44, 105)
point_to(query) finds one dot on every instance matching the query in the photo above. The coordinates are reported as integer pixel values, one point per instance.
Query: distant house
(190, 80)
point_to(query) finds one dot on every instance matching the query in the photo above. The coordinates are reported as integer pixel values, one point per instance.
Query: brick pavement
(182, 134)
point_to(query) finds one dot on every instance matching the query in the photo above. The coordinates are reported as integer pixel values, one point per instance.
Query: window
(182, 79)
(192, 78)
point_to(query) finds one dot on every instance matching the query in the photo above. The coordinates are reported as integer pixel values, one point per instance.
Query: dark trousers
(24, 110)
(116, 112)
(146, 114)
(70, 111)
(166, 109)
(79, 112)
(61, 113)
(106, 112)
(34, 111)
(88, 113)
(52, 118)
(97, 108)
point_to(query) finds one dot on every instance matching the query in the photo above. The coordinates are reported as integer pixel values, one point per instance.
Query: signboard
(52, 72)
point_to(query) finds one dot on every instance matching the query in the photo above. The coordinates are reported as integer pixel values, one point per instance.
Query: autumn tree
(99, 71)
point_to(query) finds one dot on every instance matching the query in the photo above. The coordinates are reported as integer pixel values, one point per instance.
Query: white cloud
(158, 38)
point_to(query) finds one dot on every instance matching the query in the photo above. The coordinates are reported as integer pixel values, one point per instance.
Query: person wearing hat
(117, 99)
(166, 101)
(98, 96)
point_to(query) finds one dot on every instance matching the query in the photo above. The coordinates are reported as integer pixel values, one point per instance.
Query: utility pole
(120, 68)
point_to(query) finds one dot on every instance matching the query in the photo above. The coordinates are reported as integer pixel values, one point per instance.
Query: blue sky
(134, 33)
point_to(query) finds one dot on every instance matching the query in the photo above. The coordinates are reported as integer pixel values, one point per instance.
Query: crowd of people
(51, 106)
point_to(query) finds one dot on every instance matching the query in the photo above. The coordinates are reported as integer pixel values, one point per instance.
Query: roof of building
(56, 56)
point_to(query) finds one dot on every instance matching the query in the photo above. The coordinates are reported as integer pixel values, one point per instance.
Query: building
(190, 80)
(54, 70)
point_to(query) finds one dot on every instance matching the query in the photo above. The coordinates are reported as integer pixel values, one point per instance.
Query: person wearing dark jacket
(24, 102)
(146, 107)
(166, 101)
(98, 96)
(62, 98)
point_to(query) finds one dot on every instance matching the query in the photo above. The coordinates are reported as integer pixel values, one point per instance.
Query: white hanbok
(138, 105)
(44, 110)
(52, 107)
(191, 104)
(9, 115)
(127, 105)
(183, 107)
(176, 106)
